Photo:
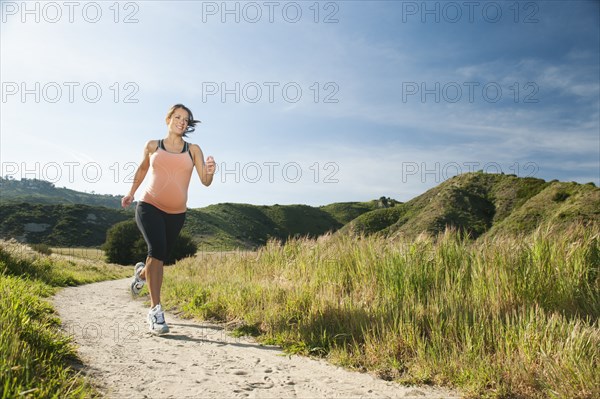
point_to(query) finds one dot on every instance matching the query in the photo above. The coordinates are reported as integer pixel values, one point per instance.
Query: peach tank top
(170, 175)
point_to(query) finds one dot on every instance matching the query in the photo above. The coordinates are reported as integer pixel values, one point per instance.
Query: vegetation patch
(500, 317)
(36, 358)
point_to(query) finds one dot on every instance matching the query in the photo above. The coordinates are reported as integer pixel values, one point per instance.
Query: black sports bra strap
(186, 147)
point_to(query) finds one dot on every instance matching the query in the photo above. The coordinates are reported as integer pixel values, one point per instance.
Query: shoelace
(159, 318)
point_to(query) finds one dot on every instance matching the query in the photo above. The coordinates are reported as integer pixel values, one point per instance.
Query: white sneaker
(156, 321)
(137, 283)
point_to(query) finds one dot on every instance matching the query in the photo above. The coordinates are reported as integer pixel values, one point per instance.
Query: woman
(160, 212)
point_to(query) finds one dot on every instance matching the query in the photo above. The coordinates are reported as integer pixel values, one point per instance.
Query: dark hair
(191, 121)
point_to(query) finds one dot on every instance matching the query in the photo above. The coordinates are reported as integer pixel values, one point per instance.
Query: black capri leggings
(160, 229)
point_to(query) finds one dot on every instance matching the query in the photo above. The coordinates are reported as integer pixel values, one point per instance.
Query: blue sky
(303, 102)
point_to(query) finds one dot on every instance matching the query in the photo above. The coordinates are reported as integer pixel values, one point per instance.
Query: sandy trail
(197, 360)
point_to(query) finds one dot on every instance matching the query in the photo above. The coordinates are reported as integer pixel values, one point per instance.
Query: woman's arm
(206, 171)
(140, 173)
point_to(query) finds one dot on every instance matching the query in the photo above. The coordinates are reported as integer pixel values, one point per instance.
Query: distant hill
(242, 225)
(480, 203)
(46, 215)
(58, 224)
(476, 203)
(43, 192)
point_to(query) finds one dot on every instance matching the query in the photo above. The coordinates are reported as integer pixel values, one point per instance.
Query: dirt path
(197, 360)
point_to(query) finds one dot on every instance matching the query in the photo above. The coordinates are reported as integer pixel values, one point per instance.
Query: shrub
(184, 247)
(124, 243)
(44, 249)
(560, 196)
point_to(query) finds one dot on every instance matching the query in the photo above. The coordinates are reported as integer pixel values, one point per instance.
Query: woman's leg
(153, 274)
(152, 223)
(160, 230)
(173, 226)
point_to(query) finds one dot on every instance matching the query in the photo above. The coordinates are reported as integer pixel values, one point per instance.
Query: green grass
(500, 317)
(35, 357)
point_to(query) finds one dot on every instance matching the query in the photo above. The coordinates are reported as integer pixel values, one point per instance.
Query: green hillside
(559, 204)
(241, 225)
(221, 226)
(43, 192)
(475, 203)
(57, 224)
(479, 203)
(344, 212)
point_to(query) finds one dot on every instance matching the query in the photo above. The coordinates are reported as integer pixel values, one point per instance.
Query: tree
(383, 202)
(124, 244)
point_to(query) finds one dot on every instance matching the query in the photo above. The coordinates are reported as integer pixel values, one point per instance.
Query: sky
(302, 102)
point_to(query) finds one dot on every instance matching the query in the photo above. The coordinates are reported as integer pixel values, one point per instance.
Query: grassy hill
(241, 225)
(478, 204)
(221, 226)
(558, 203)
(57, 224)
(43, 192)
(475, 203)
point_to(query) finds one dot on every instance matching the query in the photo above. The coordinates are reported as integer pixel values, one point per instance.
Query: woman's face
(178, 122)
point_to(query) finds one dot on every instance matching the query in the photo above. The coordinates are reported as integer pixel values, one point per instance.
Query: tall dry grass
(500, 317)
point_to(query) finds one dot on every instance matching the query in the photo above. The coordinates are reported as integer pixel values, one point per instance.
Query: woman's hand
(126, 200)
(210, 165)
(206, 169)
